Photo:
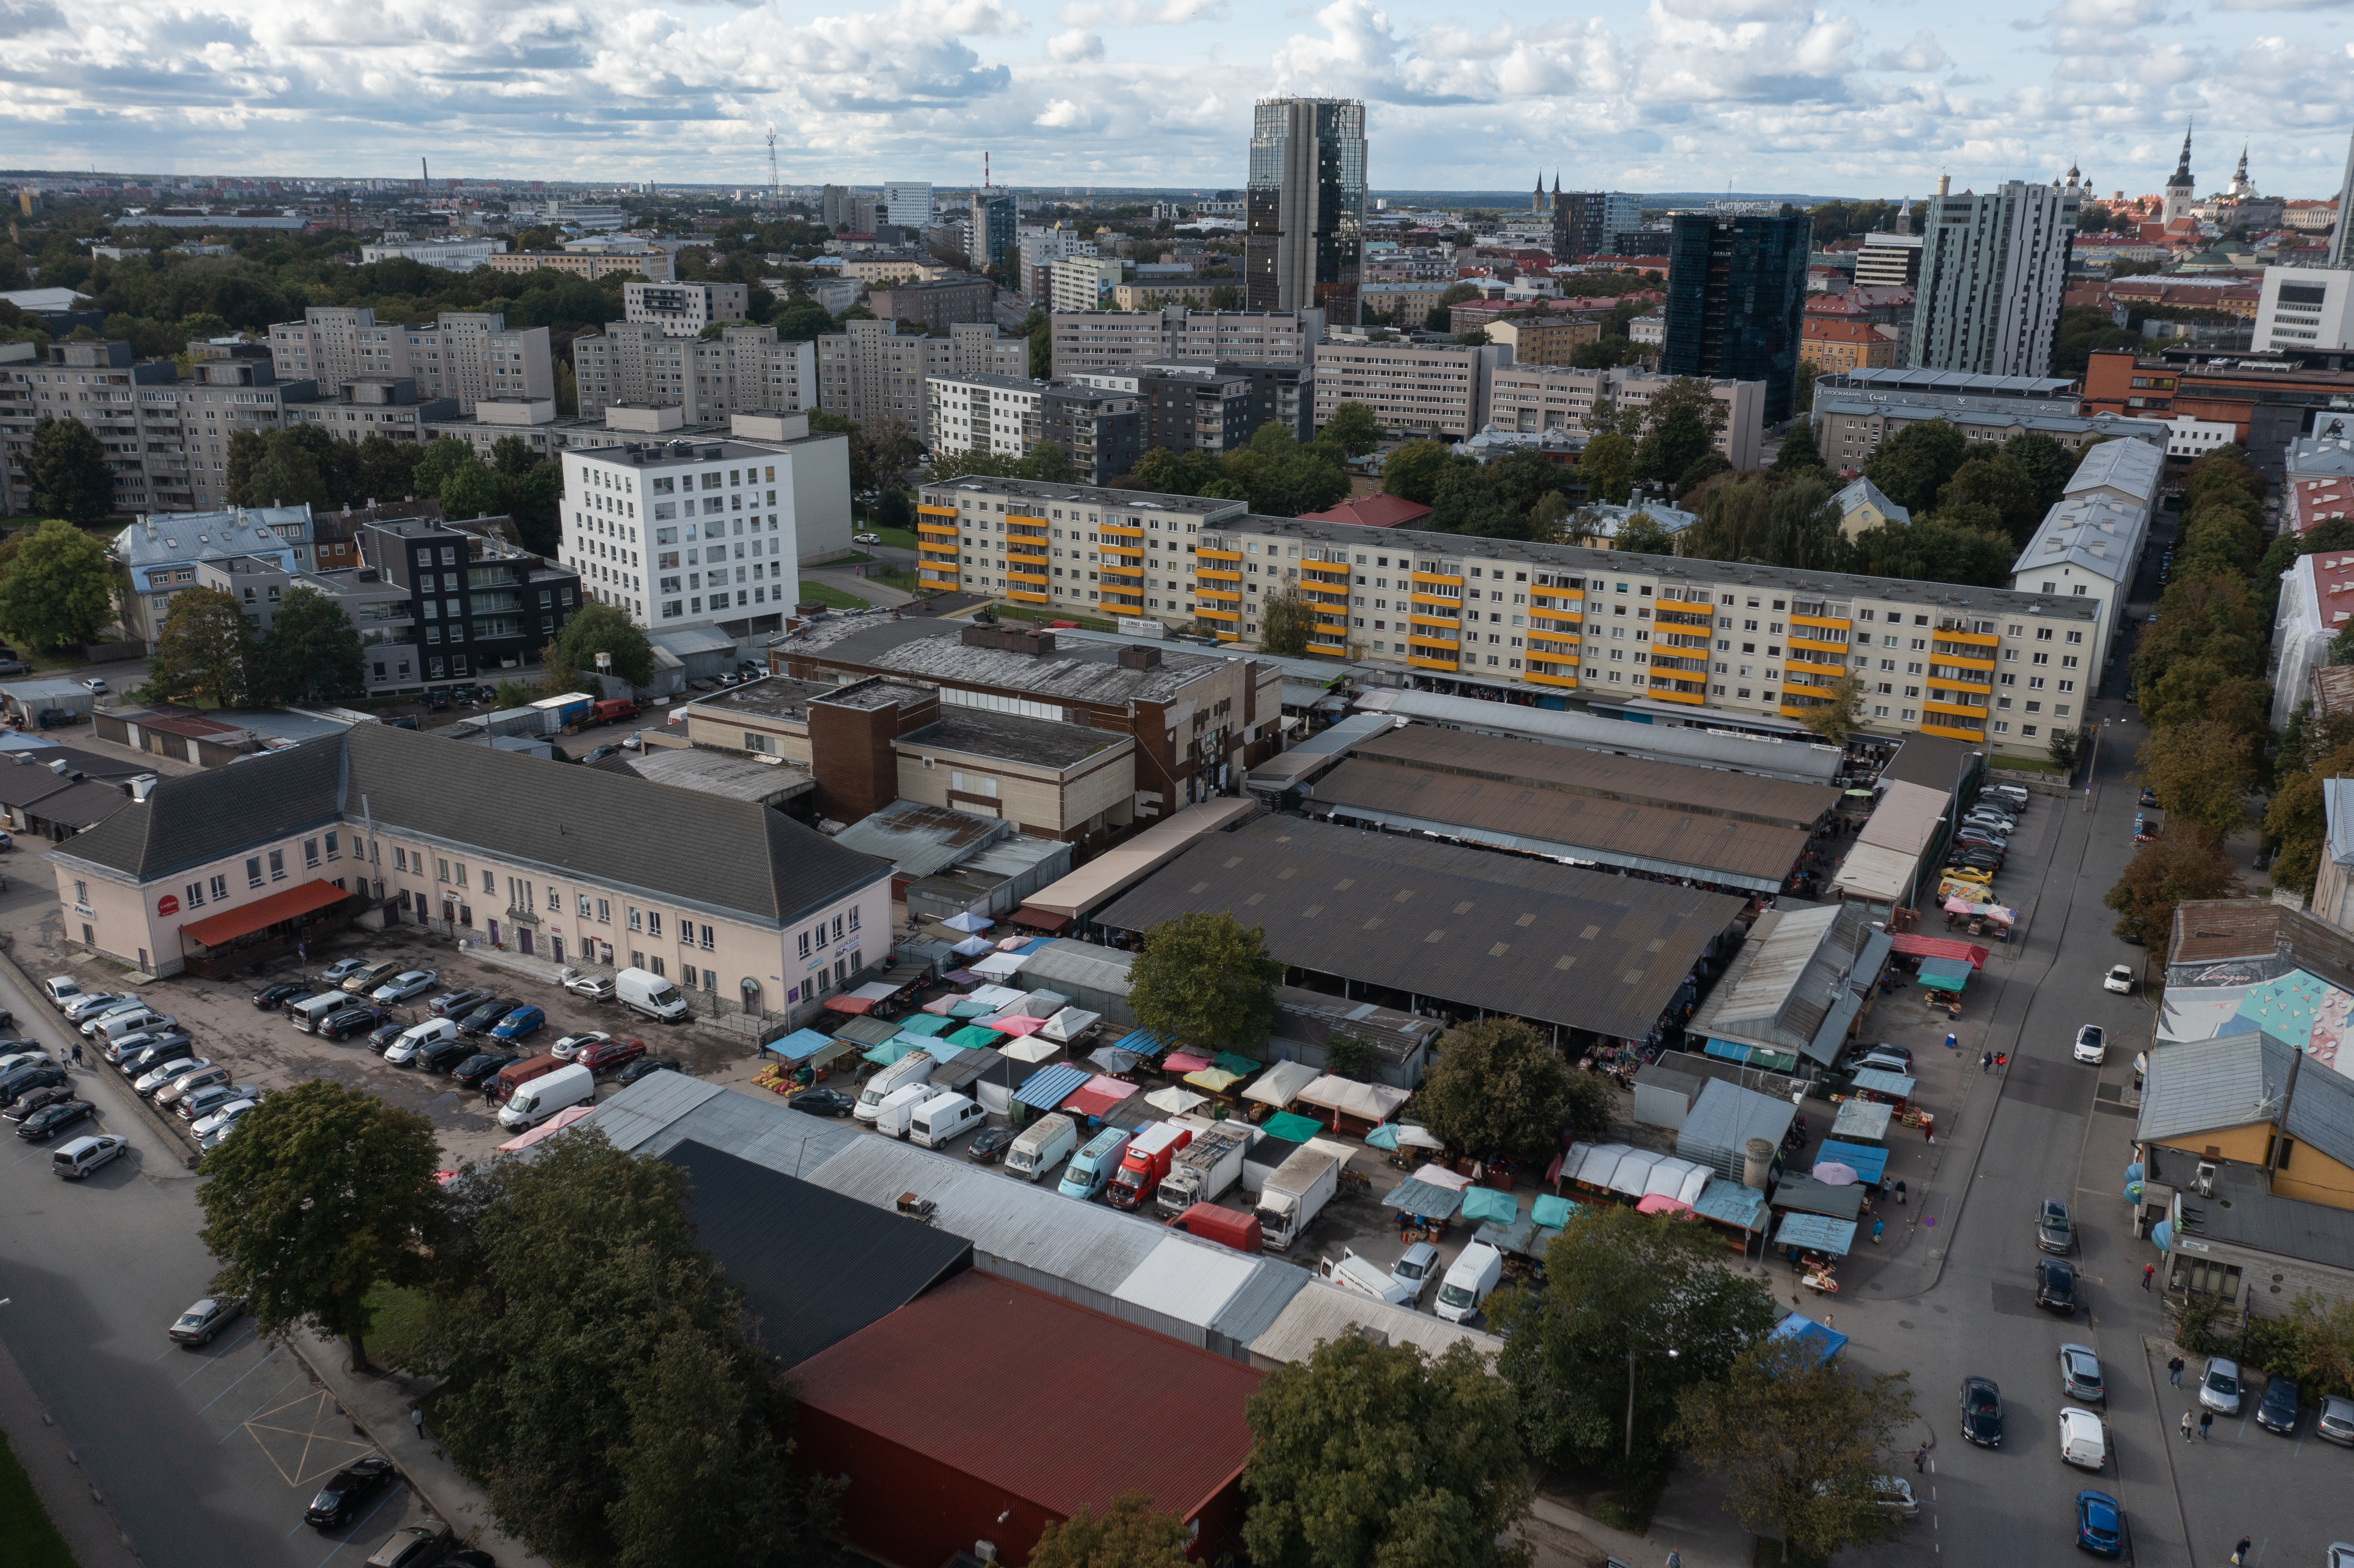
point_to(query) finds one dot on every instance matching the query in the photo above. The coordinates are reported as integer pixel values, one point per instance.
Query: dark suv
(486, 1018)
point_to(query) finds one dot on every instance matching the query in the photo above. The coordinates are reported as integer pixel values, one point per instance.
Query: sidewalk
(379, 1406)
(75, 1505)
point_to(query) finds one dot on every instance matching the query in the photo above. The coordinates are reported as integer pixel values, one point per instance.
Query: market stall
(1869, 1164)
(1892, 1088)
(1291, 1128)
(1862, 1121)
(1353, 1106)
(1097, 1096)
(1732, 1208)
(1049, 1086)
(1280, 1084)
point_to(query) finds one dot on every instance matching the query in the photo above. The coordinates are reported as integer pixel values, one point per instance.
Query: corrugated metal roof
(1796, 981)
(1050, 1086)
(987, 1420)
(1320, 1313)
(815, 1267)
(650, 1104)
(1131, 862)
(1081, 964)
(2239, 1080)
(1798, 762)
(1189, 1281)
(919, 840)
(1729, 1203)
(757, 1126)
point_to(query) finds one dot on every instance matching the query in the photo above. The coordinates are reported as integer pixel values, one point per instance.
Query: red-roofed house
(2312, 500)
(952, 1419)
(1372, 511)
(2317, 603)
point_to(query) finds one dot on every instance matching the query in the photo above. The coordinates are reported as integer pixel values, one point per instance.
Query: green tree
(312, 649)
(68, 469)
(1127, 1534)
(536, 502)
(2324, 1327)
(1676, 441)
(2184, 865)
(1693, 392)
(513, 458)
(1205, 980)
(2201, 772)
(1840, 715)
(2063, 749)
(1621, 1290)
(2047, 464)
(205, 649)
(1352, 428)
(1999, 481)
(1609, 465)
(1499, 1090)
(1284, 623)
(1911, 466)
(1800, 1444)
(384, 468)
(60, 588)
(800, 320)
(1705, 467)
(597, 628)
(247, 449)
(324, 1193)
(1802, 386)
(1931, 549)
(1378, 1457)
(440, 460)
(1413, 470)
(1351, 1056)
(470, 492)
(1644, 534)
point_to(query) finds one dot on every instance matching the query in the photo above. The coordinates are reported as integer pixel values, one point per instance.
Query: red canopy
(1921, 947)
(1097, 1095)
(849, 1003)
(1041, 920)
(262, 914)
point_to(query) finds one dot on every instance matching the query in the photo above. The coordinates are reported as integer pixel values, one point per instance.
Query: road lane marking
(209, 1361)
(390, 1493)
(257, 1410)
(250, 1371)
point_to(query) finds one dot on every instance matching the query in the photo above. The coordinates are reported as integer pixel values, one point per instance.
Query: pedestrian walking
(2239, 1552)
(1877, 1226)
(2174, 1371)
(77, 1052)
(1900, 1192)
(2147, 1271)
(1675, 1560)
(2001, 1064)
(1985, 1060)
(2186, 1426)
(1920, 1459)
(2207, 1424)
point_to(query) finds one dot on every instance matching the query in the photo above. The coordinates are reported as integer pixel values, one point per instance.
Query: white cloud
(1135, 14)
(1923, 54)
(1061, 115)
(1077, 44)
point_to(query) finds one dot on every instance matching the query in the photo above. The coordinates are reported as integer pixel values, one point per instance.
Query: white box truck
(546, 1095)
(641, 990)
(1208, 1166)
(1043, 1145)
(1295, 1195)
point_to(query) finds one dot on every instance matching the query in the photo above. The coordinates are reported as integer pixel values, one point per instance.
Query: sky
(1872, 98)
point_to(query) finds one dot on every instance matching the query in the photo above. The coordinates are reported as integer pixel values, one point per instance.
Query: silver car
(2219, 1385)
(2080, 1373)
(156, 1078)
(2337, 1423)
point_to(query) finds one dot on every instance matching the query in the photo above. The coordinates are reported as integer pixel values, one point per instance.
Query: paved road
(209, 1456)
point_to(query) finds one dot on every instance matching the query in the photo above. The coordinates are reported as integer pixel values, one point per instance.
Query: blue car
(521, 1025)
(2100, 1523)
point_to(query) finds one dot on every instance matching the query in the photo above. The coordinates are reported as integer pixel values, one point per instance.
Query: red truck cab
(1148, 1161)
(1227, 1227)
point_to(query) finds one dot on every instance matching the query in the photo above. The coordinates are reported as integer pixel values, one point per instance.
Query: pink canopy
(1661, 1203)
(556, 1123)
(941, 1005)
(1183, 1061)
(1097, 1095)
(1020, 1023)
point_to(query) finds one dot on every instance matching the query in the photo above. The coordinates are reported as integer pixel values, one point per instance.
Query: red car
(609, 1055)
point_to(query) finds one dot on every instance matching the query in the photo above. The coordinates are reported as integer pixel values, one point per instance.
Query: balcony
(1417, 661)
(1218, 612)
(1207, 554)
(1976, 711)
(1675, 690)
(927, 509)
(1954, 731)
(1026, 573)
(1217, 575)
(483, 604)
(1817, 646)
(1119, 532)
(1967, 688)
(1026, 596)
(1828, 622)
(1668, 615)
(1968, 656)
(931, 576)
(1338, 647)
(1961, 633)
(1322, 571)
(1555, 676)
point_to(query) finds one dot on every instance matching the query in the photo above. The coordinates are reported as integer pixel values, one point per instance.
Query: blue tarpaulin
(1828, 1341)
(1552, 1212)
(1050, 1086)
(1487, 1203)
(800, 1045)
(1730, 1203)
(1867, 1163)
(1816, 1232)
(1142, 1042)
(1433, 1203)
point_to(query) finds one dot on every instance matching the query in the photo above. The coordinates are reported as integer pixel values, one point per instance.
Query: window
(276, 865)
(459, 873)
(653, 922)
(854, 916)
(637, 920)
(805, 944)
(837, 927)
(555, 904)
(219, 889)
(655, 964)
(310, 852)
(195, 895)
(710, 980)
(333, 848)
(604, 913)
(707, 938)
(584, 907)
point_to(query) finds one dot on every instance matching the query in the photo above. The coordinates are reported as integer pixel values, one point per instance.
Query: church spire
(2184, 168)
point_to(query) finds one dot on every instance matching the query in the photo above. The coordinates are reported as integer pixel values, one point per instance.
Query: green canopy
(1240, 1067)
(972, 1037)
(927, 1023)
(1945, 974)
(1552, 1211)
(1291, 1128)
(888, 1053)
(1487, 1203)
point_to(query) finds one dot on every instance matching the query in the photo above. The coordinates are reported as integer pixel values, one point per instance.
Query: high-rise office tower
(1993, 270)
(995, 241)
(2341, 239)
(1737, 298)
(1586, 223)
(908, 203)
(1305, 206)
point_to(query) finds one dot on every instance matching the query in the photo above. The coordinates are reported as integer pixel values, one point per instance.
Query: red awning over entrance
(230, 924)
(1041, 920)
(1921, 947)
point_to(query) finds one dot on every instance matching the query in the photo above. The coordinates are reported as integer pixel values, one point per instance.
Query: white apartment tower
(1993, 269)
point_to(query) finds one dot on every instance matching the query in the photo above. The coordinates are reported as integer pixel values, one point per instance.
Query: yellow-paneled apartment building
(1649, 636)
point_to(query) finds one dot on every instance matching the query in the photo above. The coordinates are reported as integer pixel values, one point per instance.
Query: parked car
(342, 1494)
(521, 1025)
(486, 1017)
(415, 1547)
(2055, 1286)
(2337, 1422)
(987, 1148)
(2080, 1373)
(224, 1119)
(343, 970)
(367, 976)
(2100, 1523)
(114, 1025)
(403, 986)
(594, 987)
(154, 1079)
(2148, 796)
(23, 1081)
(270, 999)
(385, 1036)
(207, 1318)
(124, 1051)
(610, 1055)
(442, 1056)
(599, 753)
(347, 1022)
(867, 538)
(2120, 979)
(1982, 1412)
(646, 1066)
(458, 1003)
(481, 1068)
(15, 1059)
(832, 1102)
(2053, 1232)
(187, 1084)
(60, 990)
(96, 685)
(195, 1104)
(2276, 1411)
(2219, 1385)
(2084, 1439)
(38, 1101)
(571, 1045)
(76, 1159)
(43, 1124)
(90, 1004)
(2091, 1044)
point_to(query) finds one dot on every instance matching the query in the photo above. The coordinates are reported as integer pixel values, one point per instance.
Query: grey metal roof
(2132, 467)
(1011, 738)
(1796, 981)
(1721, 1121)
(645, 1108)
(1080, 964)
(933, 650)
(1320, 1314)
(714, 773)
(168, 537)
(1798, 762)
(2094, 531)
(1862, 492)
(921, 840)
(1504, 933)
(661, 1110)
(2235, 1080)
(2338, 807)
(696, 849)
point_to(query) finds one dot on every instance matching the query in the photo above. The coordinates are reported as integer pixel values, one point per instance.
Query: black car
(481, 1067)
(645, 1066)
(39, 1099)
(347, 1022)
(273, 998)
(486, 1017)
(2056, 1286)
(437, 700)
(989, 1144)
(37, 1126)
(458, 1003)
(2148, 796)
(381, 1037)
(2276, 1411)
(444, 1055)
(599, 754)
(340, 1498)
(1982, 1412)
(469, 1557)
(823, 1102)
(171, 1048)
(25, 1080)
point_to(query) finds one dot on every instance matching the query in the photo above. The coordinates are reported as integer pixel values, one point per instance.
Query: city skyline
(1769, 94)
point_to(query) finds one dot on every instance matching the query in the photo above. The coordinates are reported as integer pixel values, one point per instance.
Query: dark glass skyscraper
(993, 237)
(1737, 296)
(1305, 206)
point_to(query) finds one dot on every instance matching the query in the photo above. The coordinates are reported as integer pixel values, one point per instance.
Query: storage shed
(1722, 1121)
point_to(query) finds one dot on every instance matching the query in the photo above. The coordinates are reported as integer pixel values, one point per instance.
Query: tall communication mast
(776, 197)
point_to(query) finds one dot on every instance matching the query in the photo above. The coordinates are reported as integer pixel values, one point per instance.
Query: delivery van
(1091, 1166)
(1468, 1283)
(515, 1075)
(897, 1108)
(1044, 1144)
(915, 1068)
(307, 1013)
(572, 1085)
(943, 1118)
(641, 990)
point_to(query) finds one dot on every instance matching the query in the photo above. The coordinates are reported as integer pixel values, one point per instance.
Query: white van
(122, 1025)
(305, 1014)
(642, 990)
(547, 1093)
(1468, 1283)
(84, 1155)
(898, 1110)
(915, 1068)
(943, 1118)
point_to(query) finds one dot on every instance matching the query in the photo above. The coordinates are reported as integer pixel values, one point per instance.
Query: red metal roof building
(1372, 511)
(952, 1428)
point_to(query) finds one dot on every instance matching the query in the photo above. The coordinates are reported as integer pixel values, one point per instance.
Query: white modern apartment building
(466, 355)
(1091, 341)
(744, 370)
(1993, 269)
(454, 254)
(1437, 391)
(1086, 282)
(702, 532)
(908, 203)
(1657, 639)
(683, 310)
(2305, 308)
(1002, 415)
(2089, 544)
(1532, 397)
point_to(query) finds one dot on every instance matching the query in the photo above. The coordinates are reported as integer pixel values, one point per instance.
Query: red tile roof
(2312, 500)
(1372, 511)
(988, 1415)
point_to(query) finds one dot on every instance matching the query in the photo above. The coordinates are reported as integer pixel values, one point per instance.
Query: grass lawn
(398, 1315)
(906, 582)
(27, 1538)
(833, 597)
(1032, 613)
(897, 538)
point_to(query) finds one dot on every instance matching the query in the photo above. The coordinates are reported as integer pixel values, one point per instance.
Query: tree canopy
(58, 589)
(2183, 865)
(1913, 465)
(598, 628)
(1205, 980)
(1499, 1090)
(68, 468)
(204, 650)
(1127, 1534)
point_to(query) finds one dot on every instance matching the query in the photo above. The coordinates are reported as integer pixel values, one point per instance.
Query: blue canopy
(1869, 1163)
(1142, 1042)
(800, 1045)
(1433, 1203)
(1050, 1086)
(1730, 1203)
(1827, 1341)
(1817, 1233)
(1487, 1203)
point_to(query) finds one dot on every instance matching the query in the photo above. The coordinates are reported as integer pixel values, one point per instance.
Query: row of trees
(304, 464)
(2198, 672)
(208, 652)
